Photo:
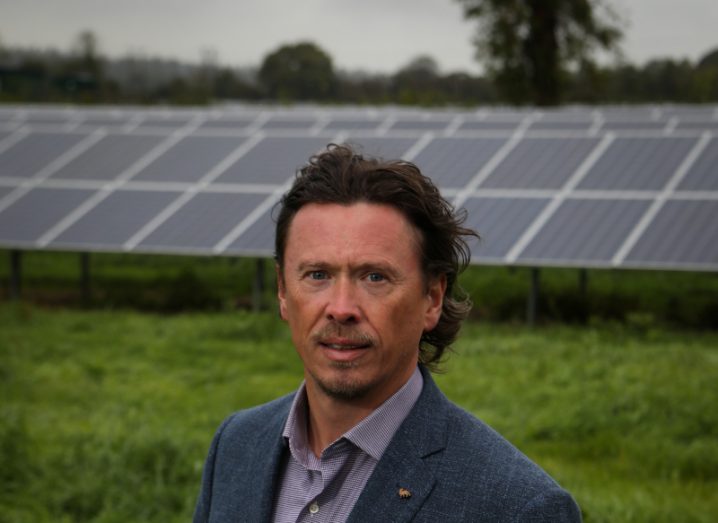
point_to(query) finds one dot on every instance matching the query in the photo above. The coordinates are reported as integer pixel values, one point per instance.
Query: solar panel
(540, 163)
(228, 123)
(258, 239)
(453, 162)
(24, 221)
(114, 220)
(420, 125)
(273, 160)
(388, 148)
(585, 232)
(500, 222)
(609, 187)
(108, 158)
(701, 125)
(189, 159)
(290, 123)
(638, 163)
(630, 125)
(34, 152)
(561, 125)
(484, 125)
(344, 124)
(165, 123)
(201, 223)
(703, 175)
(685, 232)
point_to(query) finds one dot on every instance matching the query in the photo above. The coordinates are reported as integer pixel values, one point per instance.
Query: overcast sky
(369, 35)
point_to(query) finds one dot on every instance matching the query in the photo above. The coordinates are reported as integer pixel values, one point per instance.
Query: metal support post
(583, 294)
(85, 278)
(532, 305)
(258, 286)
(15, 274)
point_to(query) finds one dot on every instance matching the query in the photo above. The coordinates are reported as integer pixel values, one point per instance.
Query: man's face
(355, 298)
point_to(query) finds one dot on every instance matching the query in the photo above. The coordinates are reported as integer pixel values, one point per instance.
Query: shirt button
(313, 508)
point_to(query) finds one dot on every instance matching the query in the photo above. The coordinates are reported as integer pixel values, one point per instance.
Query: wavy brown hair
(342, 176)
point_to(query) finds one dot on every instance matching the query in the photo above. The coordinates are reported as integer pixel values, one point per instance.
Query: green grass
(107, 416)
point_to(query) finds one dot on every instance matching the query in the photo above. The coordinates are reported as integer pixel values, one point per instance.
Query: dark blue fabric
(454, 466)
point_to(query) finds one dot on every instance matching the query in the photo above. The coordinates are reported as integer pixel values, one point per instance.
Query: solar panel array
(615, 187)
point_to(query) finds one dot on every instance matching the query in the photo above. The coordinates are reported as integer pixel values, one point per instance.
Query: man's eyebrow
(376, 266)
(312, 264)
(380, 266)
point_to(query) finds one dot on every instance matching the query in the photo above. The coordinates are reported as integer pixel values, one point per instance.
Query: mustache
(335, 330)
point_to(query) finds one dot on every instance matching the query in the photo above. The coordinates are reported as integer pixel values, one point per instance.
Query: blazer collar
(404, 465)
(267, 466)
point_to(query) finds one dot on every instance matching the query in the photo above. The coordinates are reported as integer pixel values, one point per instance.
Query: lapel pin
(404, 493)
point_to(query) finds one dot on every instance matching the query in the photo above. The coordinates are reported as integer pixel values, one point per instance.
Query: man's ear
(435, 301)
(281, 292)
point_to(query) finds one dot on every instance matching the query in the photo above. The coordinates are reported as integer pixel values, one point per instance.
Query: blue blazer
(456, 467)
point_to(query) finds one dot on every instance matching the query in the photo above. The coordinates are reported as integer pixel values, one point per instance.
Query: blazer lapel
(403, 478)
(263, 483)
(251, 478)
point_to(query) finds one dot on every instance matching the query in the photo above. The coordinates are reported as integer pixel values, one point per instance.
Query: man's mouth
(344, 345)
(344, 350)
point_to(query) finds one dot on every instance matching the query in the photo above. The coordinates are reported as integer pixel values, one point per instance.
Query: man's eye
(318, 275)
(375, 277)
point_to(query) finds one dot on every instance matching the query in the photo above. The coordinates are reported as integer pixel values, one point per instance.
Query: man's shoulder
(256, 420)
(472, 445)
(479, 473)
(482, 449)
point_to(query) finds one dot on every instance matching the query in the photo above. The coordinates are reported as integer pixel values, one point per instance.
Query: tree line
(304, 72)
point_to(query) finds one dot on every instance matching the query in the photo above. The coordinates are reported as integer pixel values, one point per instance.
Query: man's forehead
(360, 221)
(329, 212)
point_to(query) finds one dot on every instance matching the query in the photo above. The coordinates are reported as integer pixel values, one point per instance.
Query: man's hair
(339, 175)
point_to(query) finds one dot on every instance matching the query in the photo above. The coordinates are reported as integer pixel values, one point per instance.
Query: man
(367, 255)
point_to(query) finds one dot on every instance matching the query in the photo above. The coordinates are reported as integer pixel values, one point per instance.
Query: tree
(706, 77)
(528, 45)
(299, 71)
(82, 75)
(417, 82)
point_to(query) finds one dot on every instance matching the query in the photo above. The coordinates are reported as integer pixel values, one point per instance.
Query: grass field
(106, 416)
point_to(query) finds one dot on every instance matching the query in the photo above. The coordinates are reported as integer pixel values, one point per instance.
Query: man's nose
(343, 306)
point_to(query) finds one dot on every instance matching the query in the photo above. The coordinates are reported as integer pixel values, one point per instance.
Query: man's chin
(344, 388)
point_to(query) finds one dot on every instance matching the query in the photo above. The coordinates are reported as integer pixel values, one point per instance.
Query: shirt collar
(372, 434)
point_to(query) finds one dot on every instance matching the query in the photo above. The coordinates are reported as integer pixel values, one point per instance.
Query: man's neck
(328, 418)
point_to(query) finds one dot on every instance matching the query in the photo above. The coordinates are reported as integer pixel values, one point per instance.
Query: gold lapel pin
(404, 493)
